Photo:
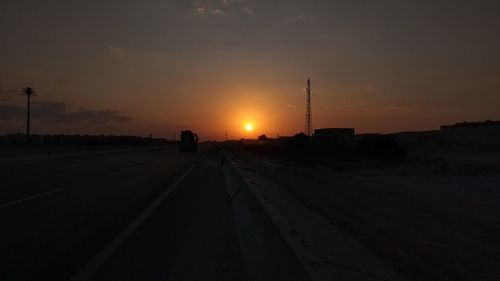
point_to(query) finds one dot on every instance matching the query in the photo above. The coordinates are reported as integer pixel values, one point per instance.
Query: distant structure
(28, 92)
(486, 123)
(335, 134)
(308, 127)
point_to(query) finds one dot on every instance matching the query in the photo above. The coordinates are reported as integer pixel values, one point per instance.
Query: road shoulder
(328, 251)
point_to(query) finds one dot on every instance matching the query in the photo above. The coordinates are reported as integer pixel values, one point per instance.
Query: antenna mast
(308, 109)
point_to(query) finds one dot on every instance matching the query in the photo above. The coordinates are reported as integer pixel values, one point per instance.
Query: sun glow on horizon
(248, 127)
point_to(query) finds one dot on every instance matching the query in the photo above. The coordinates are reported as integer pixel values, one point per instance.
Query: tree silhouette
(28, 92)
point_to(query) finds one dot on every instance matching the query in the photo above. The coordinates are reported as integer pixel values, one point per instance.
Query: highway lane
(52, 236)
(190, 236)
(24, 178)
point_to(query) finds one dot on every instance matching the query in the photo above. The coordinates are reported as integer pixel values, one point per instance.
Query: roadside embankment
(267, 216)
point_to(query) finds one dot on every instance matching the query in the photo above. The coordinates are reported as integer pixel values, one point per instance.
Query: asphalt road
(190, 236)
(58, 214)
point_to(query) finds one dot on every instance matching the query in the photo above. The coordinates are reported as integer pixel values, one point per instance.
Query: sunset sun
(249, 127)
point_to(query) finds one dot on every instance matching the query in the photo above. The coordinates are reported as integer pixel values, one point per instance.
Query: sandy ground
(434, 217)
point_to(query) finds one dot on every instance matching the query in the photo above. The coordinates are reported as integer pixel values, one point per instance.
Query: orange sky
(129, 67)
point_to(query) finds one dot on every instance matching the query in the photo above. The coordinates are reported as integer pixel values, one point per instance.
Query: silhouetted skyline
(157, 67)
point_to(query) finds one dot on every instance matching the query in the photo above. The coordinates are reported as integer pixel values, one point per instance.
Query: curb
(311, 264)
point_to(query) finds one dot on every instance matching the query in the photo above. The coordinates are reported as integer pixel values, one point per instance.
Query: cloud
(217, 12)
(201, 7)
(61, 113)
(247, 11)
(219, 8)
(291, 106)
(199, 10)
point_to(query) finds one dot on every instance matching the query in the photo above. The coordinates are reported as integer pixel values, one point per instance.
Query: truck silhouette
(189, 141)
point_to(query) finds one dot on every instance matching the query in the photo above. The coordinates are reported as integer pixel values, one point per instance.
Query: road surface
(58, 214)
(191, 236)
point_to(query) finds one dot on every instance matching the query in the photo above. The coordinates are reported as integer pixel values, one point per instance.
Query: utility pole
(226, 135)
(308, 108)
(28, 92)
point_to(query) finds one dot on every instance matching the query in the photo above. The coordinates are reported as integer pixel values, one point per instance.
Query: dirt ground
(434, 217)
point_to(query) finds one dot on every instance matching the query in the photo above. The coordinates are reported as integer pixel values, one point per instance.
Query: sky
(140, 67)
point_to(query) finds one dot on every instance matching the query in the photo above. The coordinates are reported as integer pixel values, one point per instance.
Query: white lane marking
(98, 260)
(130, 168)
(29, 198)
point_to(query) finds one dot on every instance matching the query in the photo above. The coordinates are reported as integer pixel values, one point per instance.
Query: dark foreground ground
(147, 213)
(432, 216)
(58, 213)
(191, 236)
